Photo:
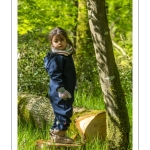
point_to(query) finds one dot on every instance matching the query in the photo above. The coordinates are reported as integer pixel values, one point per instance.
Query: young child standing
(60, 67)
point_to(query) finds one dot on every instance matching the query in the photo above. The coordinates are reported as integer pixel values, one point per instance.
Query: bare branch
(119, 48)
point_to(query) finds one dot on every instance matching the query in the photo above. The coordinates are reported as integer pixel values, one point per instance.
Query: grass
(28, 135)
(90, 102)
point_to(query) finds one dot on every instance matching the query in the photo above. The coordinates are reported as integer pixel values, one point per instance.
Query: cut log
(92, 125)
(35, 109)
(85, 125)
(42, 144)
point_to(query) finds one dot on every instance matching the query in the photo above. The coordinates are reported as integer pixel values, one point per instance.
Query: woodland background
(37, 18)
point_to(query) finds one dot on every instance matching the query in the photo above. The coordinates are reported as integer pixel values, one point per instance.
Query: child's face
(59, 42)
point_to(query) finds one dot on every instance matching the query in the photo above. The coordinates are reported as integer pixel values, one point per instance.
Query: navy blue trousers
(63, 112)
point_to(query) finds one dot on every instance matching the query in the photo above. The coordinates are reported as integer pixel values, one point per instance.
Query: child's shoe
(59, 136)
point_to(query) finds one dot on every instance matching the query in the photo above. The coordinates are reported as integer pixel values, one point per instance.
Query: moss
(22, 111)
(34, 109)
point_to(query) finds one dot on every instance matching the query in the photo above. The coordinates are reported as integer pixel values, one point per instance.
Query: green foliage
(87, 76)
(126, 79)
(36, 18)
(32, 76)
(42, 15)
(119, 13)
(125, 70)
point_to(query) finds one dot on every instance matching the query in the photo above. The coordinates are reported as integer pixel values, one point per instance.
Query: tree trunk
(84, 58)
(83, 32)
(116, 111)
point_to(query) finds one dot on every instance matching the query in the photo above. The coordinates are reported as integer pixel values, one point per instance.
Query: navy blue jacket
(62, 73)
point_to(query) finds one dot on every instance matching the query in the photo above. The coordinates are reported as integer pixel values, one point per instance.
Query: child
(60, 67)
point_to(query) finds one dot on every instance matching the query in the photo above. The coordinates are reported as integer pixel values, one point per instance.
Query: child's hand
(63, 93)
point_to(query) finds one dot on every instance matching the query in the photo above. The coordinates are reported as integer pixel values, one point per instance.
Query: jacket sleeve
(55, 70)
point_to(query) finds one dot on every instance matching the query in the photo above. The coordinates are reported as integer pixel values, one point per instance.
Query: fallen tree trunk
(86, 124)
(34, 109)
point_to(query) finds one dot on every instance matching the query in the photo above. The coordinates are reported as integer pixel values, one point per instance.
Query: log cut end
(90, 125)
(93, 125)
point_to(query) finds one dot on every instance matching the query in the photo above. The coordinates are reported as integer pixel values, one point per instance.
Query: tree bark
(83, 32)
(117, 119)
(35, 110)
(84, 50)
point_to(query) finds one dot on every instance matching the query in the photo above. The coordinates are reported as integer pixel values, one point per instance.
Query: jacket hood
(47, 59)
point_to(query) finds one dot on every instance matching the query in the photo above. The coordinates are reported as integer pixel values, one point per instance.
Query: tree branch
(119, 48)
